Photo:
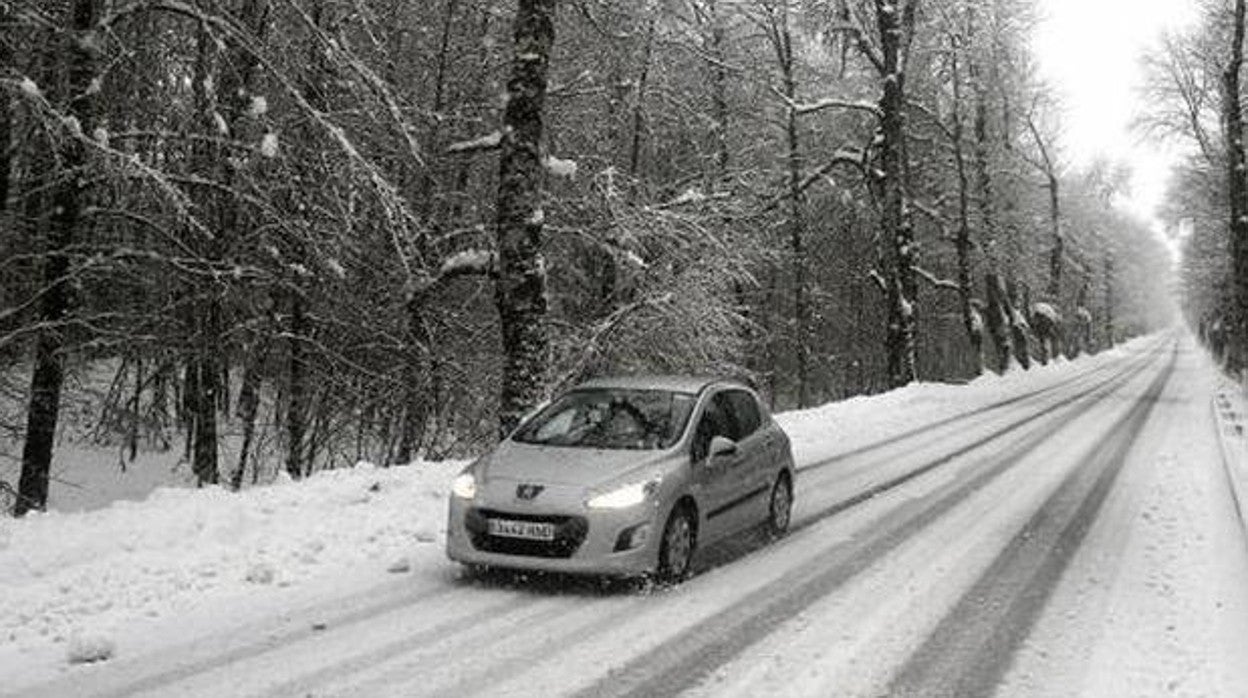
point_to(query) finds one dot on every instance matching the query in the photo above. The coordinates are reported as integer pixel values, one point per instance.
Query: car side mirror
(722, 446)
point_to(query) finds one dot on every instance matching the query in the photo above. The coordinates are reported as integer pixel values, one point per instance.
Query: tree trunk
(898, 232)
(1048, 168)
(239, 85)
(1080, 332)
(1237, 195)
(1109, 300)
(136, 397)
(317, 81)
(6, 119)
(444, 54)
(998, 319)
(248, 407)
(972, 321)
(797, 213)
(297, 391)
(719, 87)
(203, 387)
(203, 404)
(1059, 243)
(520, 292)
(68, 199)
(1018, 326)
(416, 381)
(639, 105)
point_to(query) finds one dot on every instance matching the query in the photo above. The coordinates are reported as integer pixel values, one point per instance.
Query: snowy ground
(338, 586)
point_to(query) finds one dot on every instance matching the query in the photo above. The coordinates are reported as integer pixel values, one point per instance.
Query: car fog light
(632, 538)
(641, 534)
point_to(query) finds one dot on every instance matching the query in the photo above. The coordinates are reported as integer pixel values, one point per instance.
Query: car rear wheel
(676, 548)
(780, 510)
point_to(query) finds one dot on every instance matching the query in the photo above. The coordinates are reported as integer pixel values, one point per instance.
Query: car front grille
(570, 532)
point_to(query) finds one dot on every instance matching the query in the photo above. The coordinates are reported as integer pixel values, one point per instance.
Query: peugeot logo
(527, 492)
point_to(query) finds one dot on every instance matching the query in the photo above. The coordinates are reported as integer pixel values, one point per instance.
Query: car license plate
(528, 530)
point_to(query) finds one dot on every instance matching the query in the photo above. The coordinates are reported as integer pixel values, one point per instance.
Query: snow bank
(867, 419)
(70, 580)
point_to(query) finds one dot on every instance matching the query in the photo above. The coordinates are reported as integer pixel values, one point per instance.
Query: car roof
(679, 384)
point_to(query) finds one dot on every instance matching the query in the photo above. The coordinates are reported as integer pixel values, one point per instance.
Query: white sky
(1090, 50)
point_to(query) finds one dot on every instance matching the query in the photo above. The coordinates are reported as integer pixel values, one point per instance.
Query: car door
(717, 479)
(754, 447)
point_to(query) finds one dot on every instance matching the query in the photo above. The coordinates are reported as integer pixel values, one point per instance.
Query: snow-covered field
(202, 568)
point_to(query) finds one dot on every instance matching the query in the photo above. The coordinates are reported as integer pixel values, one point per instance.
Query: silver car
(625, 476)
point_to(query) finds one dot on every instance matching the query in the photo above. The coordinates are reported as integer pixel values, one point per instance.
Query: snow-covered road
(1074, 533)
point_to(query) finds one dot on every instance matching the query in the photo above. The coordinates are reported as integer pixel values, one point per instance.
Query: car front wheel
(676, 548)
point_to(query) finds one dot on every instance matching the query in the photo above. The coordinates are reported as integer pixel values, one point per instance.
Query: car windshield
(612, 418)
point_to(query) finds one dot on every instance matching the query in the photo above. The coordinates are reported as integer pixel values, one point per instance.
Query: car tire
(677, 546)
(780, 506)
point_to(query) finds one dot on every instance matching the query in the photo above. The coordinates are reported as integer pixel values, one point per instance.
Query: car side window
(716, 420)
(745, 409)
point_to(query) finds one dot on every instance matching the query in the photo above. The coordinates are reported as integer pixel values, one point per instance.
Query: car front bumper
(587, 540)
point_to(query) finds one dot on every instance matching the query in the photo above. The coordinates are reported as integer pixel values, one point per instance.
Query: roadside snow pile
(68, 579)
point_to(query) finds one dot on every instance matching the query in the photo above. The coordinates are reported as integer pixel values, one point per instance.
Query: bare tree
(1000, 313)
(777, 26)
(1045, 162)
(1046, 319)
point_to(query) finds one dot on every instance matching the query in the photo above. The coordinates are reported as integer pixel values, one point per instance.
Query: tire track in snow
(683, 660)
(526, 645)
(969, 415)
(507, 612)
(117, 680)
(423, 662)
(362, 669)
(893, 483)
(970, 650)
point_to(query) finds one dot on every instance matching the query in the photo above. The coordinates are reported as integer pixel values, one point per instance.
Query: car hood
(564, 465)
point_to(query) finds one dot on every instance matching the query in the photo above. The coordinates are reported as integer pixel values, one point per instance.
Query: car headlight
(623, 497)
(465, 486)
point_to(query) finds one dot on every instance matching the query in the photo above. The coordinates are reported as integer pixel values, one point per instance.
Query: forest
(288, 235)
